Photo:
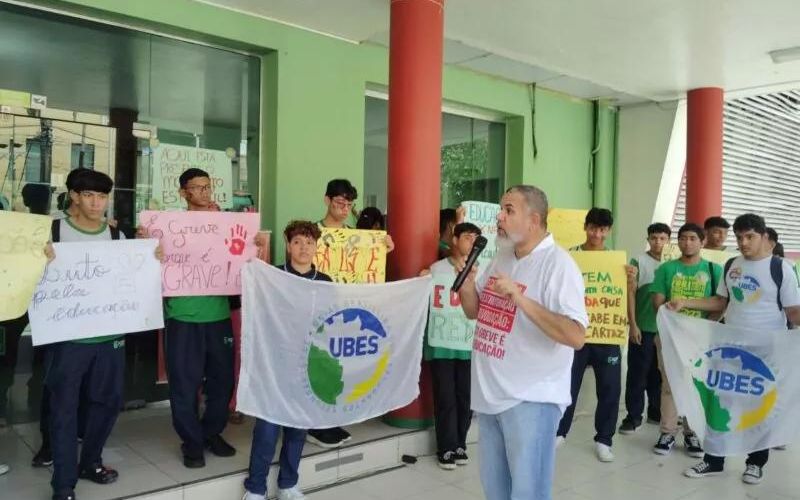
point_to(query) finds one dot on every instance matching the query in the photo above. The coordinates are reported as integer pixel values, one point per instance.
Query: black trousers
(199, 355)
(759, 458)
(10, 332)
(643, 377)
(606, 360)
(100, 369)
(451, 386)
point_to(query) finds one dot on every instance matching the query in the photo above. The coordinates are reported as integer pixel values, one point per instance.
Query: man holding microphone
(531, 316)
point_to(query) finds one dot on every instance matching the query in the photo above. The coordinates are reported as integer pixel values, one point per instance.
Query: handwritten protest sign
(484, 215)
(352, 255)
(203, 251)
(170, 161)
(606, 286)
(448, 327)
(22, 260)
(566, 226)
(672, 252)
(94, 289)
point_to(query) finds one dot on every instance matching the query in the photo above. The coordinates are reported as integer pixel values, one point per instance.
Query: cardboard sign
(672, 252)
(203, 251)
(448, 327)
(170, 161)
(94, 289)
(22, 260)
(484, 215)
(606, 287)
(352, 255)
(566, 226)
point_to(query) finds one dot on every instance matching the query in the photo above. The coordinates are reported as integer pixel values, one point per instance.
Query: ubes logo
(349, 355)
(736, 387)
(746, 288)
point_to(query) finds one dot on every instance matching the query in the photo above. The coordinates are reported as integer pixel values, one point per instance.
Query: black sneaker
(629, 426)
(342, 434)
(753, 474)
(461, 457)
(99, 474)
(692, 445)
(64, 496)
(447, 460)
(192, 460)
(703, 469)
(325, 438)
(664, 444)
(219, 447)
(43, 457)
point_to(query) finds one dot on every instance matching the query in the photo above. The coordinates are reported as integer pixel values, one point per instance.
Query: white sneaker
(292, 493)
(253, 496)
(4, 468)
(560, 441)
(604, 453)
(753, 474)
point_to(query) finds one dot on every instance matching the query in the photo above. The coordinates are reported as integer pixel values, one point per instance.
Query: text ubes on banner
(169, 161)
(606, 286)
(566, 226)
(483, 215)
(448, 327)
(739, 388)
(352, 255)
(203, 251)
(93, 289)
(22, 260)
(318, 354)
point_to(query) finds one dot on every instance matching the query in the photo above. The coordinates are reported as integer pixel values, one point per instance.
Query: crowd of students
(84, 379)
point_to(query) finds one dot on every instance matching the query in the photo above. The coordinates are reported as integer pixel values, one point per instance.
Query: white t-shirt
(70, 233)
(647, 266)
(512, 359)
(753, 296)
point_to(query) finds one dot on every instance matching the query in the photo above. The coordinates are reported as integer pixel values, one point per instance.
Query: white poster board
(93, 289)
(170, 161)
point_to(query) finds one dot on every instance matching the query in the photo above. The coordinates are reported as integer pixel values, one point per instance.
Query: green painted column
(604, 155)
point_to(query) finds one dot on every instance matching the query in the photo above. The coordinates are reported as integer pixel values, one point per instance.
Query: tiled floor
(637, 474)
(145, 450)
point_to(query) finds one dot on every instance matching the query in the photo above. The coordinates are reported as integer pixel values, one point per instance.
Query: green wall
(313, 90)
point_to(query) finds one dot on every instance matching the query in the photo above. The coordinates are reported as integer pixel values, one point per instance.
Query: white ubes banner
(318, 354)
(739, 388)
(97, 288)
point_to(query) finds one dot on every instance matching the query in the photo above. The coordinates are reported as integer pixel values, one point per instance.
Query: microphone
(477, 248)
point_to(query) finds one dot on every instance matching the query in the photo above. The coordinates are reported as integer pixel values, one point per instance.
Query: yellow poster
(717, 256)
(566, 226)
(22, 260)
(352, 255)
(606, 295)
(672, 252)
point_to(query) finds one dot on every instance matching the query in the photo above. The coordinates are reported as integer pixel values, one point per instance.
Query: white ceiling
(630, 50)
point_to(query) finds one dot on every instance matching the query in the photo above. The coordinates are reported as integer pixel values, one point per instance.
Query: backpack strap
(776, 271)
(714, 283)
(55, 230)
(114, 232)
(725, 270)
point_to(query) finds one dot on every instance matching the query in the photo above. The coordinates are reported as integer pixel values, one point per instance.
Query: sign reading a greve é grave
(606, 289)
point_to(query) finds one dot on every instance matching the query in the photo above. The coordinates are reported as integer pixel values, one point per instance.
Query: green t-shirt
(646, 266)
(197, 309)
(676, 280)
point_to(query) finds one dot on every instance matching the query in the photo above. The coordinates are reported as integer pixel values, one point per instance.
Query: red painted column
(415, 136)
(704, 154)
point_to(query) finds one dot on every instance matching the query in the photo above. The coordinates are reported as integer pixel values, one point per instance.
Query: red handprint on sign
(237, 241)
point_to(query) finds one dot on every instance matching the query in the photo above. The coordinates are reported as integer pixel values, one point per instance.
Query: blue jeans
(517, 452)
(265, 439)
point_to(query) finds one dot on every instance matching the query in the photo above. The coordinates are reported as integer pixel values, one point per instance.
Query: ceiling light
(785, 55)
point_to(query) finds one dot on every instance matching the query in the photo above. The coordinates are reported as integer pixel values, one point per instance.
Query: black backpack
(55, 231)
